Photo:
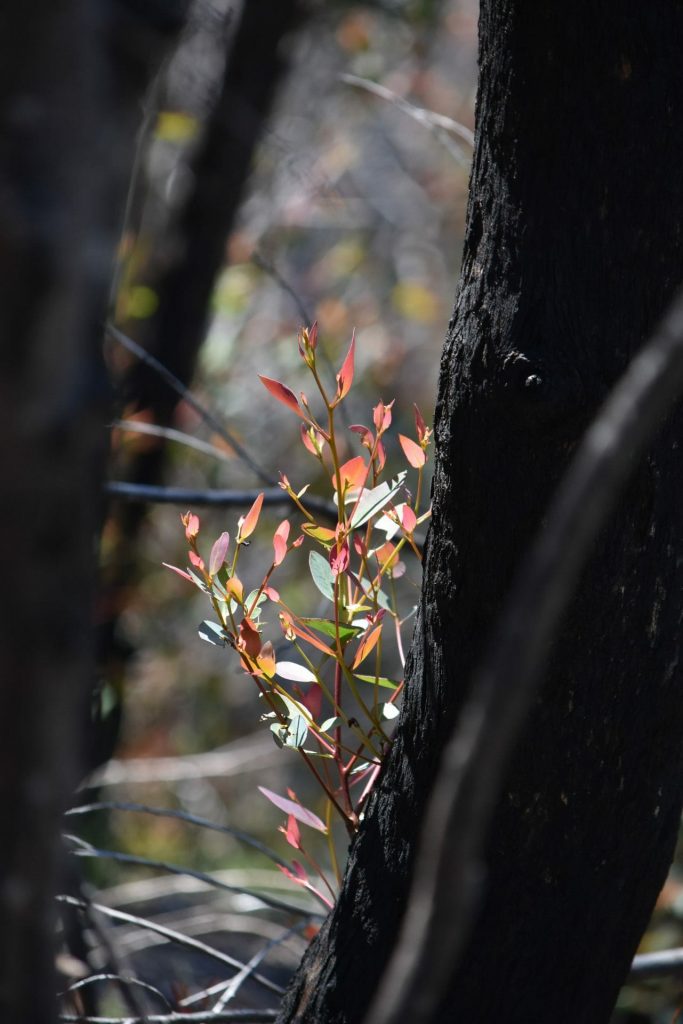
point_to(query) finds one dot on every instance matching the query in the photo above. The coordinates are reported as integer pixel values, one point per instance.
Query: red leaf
(247, 524)
(250, 640)
(312, 700)
(271, 593)
(412, 451)
(280, 542)
(218, 553)
(291, 629)
(181, 572)
(381, 456)
(282, 393)
(345, 375)
(353, 473)
(367, 645)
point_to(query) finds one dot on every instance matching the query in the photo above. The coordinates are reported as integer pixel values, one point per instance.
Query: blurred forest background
(352, 214)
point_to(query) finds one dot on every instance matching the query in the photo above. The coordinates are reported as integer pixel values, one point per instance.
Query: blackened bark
(51, 439)
(573, 250)
(65, 74)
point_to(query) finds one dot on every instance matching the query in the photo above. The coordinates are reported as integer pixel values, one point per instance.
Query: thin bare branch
(203, 1017)
(657, 965)
(170, 434)
(251, 753)
(173, 936)
(119, 979)
(190, 819)
(442, 126)
(86, 850)
(449, 865)
(177, 385)
(274, 496)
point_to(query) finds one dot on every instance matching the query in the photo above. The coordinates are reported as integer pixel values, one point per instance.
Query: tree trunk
(573, 250)
(51, 433)
(56, 249)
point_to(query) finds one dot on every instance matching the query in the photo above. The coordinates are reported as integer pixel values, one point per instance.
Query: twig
(245, 755)
(438, 123)
(234, 985)
(120, 979)
(184, 392)
(203, 1017)
(190, 819)
(129, 993)
(260, 261)
(219, 498)
(448, 868)
(657, 965)
(170, 434)
(86, 850)
(173, 936)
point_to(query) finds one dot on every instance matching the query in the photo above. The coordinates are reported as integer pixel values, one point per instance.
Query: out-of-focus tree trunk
(573, 252)
(55, 248)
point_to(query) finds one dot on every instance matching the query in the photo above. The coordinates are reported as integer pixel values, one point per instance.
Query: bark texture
(573, 251)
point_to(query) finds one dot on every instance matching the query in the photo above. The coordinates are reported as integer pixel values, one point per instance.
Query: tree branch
(213, 498)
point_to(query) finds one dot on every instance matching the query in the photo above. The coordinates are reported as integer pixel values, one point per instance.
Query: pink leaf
(282, 393)
(365, 434)
(271, 593)
(412, 451)
(247, 524)
(339, 558)
(292, 833)
(191, 523)
(301, 814)
(345, 375)
(280, 542)
(196, 560)
(218, 553)
(408, 519)
(181, 572)
(381, 416)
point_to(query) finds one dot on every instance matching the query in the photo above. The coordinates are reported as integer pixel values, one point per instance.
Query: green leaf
(321, 574)
(381, 681)
(390, 711)
(376, 499)
(328, 627)
(329, 723)
(213, 633)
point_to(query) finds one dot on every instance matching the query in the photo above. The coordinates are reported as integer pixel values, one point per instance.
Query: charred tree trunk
(61, 67)
(51, 453)
(573, 251)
